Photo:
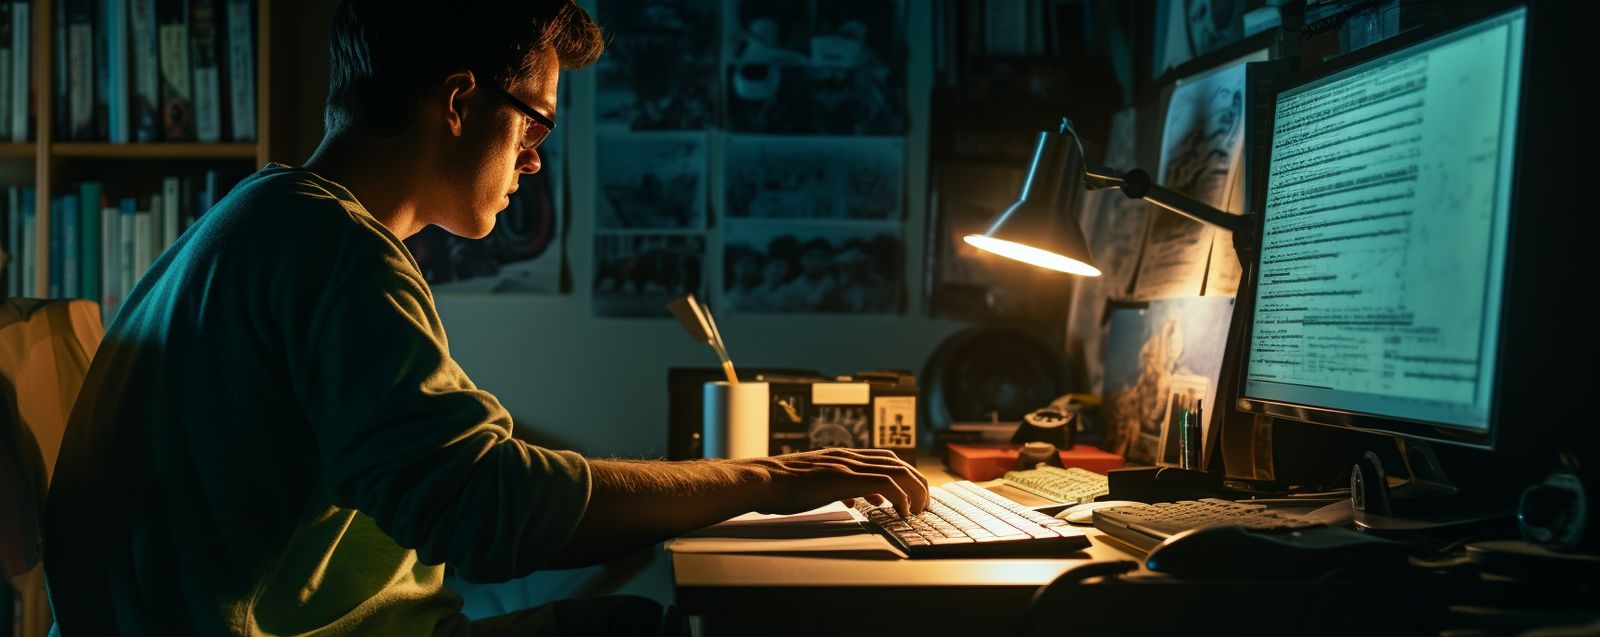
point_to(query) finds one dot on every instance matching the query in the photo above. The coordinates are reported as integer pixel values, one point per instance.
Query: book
(207, 81)
(241, 71)
(146, 76)
(89, 243)
(30, 243)
(102, 71)
(14, 242)
(5, 71)
(169, 212)
(70, 279)
(80, 69)
(177, 94)
(127, 236)
(59, 107)
(115, 25)
(21, 84)
(142, 255)
(110, 293)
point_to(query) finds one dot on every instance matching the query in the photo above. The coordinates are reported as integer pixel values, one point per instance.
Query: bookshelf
(56, 162)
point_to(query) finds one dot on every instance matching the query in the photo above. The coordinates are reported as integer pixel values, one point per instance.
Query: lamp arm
(1136, 184)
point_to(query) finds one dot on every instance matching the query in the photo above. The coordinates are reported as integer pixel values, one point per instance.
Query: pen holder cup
(735, 423)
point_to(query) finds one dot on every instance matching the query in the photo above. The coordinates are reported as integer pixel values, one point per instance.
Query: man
(273, 438)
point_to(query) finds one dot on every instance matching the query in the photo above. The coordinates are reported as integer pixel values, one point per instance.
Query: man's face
(485, 162)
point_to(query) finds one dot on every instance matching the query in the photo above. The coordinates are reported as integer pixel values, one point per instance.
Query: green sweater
(274, 440)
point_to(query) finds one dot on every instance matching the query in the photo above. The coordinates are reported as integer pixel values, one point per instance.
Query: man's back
(276, 370)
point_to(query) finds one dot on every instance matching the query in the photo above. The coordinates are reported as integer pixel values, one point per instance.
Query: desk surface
(737, 592)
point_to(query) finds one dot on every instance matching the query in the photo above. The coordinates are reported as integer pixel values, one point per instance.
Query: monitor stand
(1427, 500)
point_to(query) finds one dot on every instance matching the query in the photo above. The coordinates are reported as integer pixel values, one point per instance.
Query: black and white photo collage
(761, 138)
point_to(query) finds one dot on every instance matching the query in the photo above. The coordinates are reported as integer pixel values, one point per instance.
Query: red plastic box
(987, 462)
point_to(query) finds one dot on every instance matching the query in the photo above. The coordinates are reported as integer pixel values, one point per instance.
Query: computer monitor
(1381, 271)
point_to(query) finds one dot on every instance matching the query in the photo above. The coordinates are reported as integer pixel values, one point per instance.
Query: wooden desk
(746, 594)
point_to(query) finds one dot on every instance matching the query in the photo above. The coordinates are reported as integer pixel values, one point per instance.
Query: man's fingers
(889, 488)
(906, 477)
(884, 462)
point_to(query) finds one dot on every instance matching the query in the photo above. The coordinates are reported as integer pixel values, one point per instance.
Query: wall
(599, 385)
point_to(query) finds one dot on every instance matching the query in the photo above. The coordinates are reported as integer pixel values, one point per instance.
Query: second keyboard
(965, 520)
(1147, 525)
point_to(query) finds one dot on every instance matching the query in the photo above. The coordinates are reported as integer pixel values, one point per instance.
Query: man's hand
(805, 481)
(635, 503)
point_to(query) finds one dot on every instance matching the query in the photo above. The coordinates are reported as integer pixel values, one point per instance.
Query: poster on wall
(1172, 347)
(857, 74)
(816, 67)
(522, 255)
(659, 71)
(637, 274)
(812, 268)
(653, 181)
(1202, 147)
(814, 178)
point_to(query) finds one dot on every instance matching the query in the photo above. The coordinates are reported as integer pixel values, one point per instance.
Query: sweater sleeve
(406, 438)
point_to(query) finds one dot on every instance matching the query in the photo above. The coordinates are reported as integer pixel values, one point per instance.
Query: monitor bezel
(1361, 421)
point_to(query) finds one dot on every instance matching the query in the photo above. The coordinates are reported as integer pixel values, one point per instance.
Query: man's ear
(457, 87)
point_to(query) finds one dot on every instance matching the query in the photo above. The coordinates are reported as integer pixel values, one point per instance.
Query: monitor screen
(1382, 259)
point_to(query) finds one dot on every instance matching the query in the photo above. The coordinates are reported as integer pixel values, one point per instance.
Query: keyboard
(1073, 486)
(1147, 525)
(966, 520)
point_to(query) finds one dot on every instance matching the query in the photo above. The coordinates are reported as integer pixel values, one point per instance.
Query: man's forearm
(637, 503)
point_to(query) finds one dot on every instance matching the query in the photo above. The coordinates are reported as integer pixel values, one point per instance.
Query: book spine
(21, 57)
(203, 53)
(146, 71)
(30, 244)
(141, 244)
(109, 294)
(89, 239)
(169, 210)
(5, 70)
(126, 255)
(102, 70)
(177, 95)
(116, 27)
(208, 193)
(53, 277)
(242, 70)
(155, 239)
(70, 278)
(14, 242)
(60, 105)
(80, 68)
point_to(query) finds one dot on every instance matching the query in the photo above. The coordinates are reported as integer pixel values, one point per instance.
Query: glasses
(540, 126)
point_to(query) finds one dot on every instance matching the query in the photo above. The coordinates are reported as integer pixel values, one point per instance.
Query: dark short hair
(383, 54)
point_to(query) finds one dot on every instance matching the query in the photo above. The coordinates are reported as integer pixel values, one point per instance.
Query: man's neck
(381, 172)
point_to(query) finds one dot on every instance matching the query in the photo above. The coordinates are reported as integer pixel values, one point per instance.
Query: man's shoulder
(292, 195)
(300, 221)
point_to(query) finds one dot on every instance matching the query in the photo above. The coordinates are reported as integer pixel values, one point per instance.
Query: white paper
(854, 544)
(835, 512)
(1201, 154)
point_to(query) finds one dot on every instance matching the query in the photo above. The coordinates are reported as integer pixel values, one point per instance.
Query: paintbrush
(696, 320)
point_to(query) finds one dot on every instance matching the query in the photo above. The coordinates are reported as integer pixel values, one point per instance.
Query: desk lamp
(1033, 230)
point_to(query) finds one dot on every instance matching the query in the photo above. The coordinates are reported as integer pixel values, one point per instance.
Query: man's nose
(529, 162)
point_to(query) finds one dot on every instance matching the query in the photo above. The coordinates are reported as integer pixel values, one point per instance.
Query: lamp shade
(1038, 229)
